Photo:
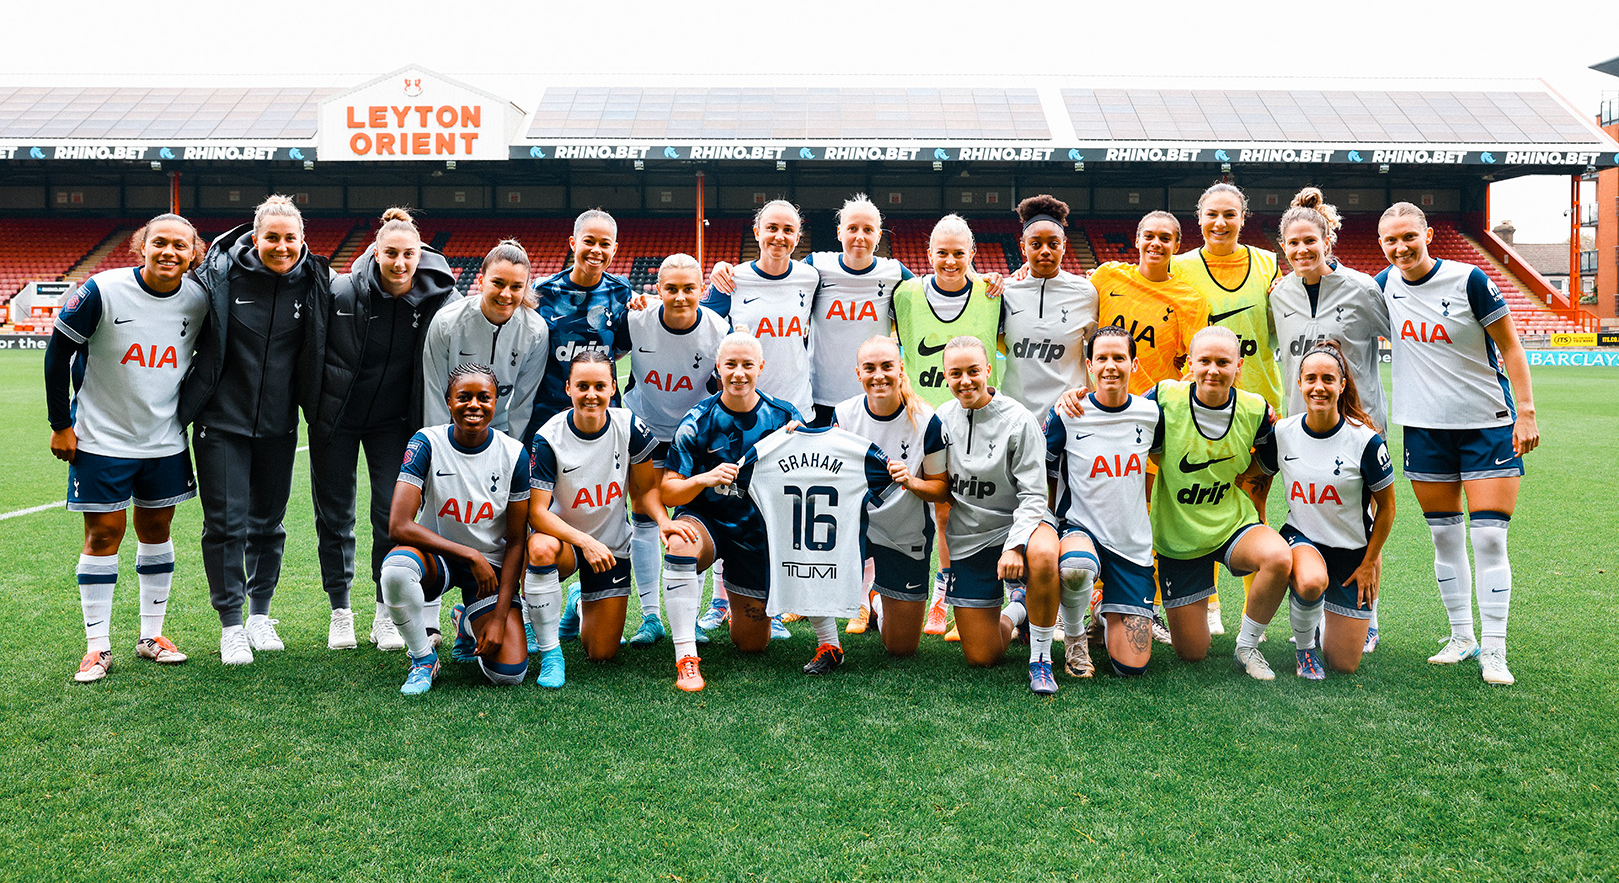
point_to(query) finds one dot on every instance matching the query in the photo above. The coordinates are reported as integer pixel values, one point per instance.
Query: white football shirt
(1329, 479)
(1100, 460)
(851, 307)
(465, 490)
(670, 369)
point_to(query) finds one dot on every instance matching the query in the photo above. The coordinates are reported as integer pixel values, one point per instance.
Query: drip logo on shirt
(1197, 493)
(1044, 351)
(971, 486)
(1303, 344)
(573, 348)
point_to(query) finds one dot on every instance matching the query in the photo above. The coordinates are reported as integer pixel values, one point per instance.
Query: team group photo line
(1082, 452)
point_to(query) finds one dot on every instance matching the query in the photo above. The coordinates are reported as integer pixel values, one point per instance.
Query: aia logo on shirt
(592, 498)
(463, 511)
(1422, 332)
(1310, 494)
(667, 382)
(852, 311)
(788, 326)
(1119, 467)
(148, 357)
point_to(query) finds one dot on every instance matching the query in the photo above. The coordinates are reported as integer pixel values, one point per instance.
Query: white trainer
(1493, 665)
(233, 646)
(1253, 662)
(385, 634)
(340, 634)
(1216, 626)
(261, 633)
(1455, 650)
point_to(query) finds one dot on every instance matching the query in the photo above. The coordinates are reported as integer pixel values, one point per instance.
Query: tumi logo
(971, 487)
(809, 570)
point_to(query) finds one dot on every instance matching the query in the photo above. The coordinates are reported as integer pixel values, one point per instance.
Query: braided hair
(471, 369)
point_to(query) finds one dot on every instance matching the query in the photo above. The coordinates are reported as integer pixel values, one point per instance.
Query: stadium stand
(52, 249)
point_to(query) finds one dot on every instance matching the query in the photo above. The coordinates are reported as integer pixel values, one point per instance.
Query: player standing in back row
(1464, 436)
(126, 338)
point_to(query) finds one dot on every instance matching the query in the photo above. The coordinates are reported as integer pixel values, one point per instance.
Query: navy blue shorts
(1189, 580)
(593, 586)
(745, 557)
(96, 483)
(1460, 454)
(899, 576)
(1341, 563)
(1127, 587)
(457, 575)
(975, 580)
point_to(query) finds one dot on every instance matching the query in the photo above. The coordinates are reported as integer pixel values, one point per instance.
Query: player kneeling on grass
(131, 332)
(586, 464)
(469, 487)
(1097, 463)
(891, 415)
(1336, 472)
(1208, 503)
(999, 527)
(701, 470)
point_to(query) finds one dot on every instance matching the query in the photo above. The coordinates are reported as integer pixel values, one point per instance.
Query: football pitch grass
(309, 765)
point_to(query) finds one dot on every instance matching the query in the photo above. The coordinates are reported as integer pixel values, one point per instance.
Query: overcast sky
(494, 44)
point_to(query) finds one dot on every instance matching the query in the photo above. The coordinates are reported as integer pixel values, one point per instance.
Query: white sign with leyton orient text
(415, 114)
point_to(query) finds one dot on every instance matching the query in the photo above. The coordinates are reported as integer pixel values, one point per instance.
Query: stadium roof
(1517, 126)
(1611, 67)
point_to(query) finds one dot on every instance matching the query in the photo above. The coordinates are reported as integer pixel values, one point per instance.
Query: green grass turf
(308, 765)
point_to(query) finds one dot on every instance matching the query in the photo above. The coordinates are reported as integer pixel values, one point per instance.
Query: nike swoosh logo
(240, 301)
(442, 474)
(1503, 462)
(1216, 318)
(642, 349)
(156, 602)
(572, 468)
(91, 625)
(718, 450)
(341, 313)
(1188, 466)
(1012, 312)
(913, 587)
(465, 353)
(1397, 296)
(922, 348)
(121, 321)
(1085, 436)
(1498, 591)
(1289, 458)
(1115, 294)
(749, 300)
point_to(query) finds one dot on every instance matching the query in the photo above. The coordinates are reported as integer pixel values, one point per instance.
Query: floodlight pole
(174, 192)
(1575, 287)
(701, 221)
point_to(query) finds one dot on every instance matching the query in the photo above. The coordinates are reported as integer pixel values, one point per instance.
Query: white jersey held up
(812, 487)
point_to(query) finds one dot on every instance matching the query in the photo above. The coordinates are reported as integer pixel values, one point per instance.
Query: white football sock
(1306, 618)
(542, 598)
(682, 594)
(1374, 612)
(1493, 582)
(98, 576)
(826, 630)
(1016, 612)
(401, 581)
(1040, 642)
(154, 566)
(433, 615)
(717, 575)
(1251, 633)
(1078, 573)
(646, 561)
(1451, 570)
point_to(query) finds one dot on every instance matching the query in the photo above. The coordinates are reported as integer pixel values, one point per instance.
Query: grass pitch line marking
(60, 503)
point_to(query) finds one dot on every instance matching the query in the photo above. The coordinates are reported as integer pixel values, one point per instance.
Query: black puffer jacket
(232, 274)
(354, 298)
